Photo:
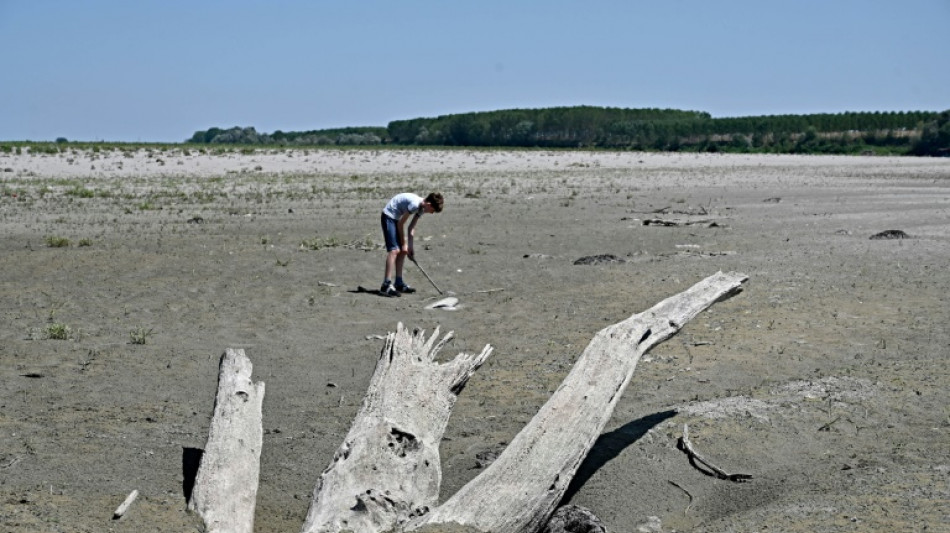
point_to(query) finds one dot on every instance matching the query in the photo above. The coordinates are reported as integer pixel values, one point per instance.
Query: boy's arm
(412, 231)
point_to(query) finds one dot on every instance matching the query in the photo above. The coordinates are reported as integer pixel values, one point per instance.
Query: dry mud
(825, 380)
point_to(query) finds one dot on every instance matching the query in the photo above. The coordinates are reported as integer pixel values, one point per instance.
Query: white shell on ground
(446, 304)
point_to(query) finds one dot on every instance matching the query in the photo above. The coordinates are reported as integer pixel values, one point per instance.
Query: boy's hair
(436, 200)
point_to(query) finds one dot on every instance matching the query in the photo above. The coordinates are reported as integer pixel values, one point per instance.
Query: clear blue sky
(159, 70)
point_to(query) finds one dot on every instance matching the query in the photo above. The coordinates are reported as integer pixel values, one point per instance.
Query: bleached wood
(519, 491)
(124, 507)
(225, 490)
(388, 468)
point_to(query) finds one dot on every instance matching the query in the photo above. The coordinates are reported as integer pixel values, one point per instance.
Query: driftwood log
(225, 490)
(520, 490)
(387, 473)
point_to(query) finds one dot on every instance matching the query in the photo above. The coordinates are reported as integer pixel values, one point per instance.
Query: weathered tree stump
(388, 468)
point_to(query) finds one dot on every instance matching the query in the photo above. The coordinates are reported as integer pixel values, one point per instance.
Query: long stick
(424, 273)
(693, 454)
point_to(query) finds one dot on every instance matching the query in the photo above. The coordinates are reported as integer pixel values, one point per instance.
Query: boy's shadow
(363, 290)
(609, 446)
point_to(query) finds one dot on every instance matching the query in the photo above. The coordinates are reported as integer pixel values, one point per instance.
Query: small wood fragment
(690, 496)
(121, 510)
(12, 462)
(694, 456)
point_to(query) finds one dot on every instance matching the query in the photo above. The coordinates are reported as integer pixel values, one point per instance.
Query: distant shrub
(81, 192)
(58, 331)
(318, 243)
(54, 241)
(140, 335)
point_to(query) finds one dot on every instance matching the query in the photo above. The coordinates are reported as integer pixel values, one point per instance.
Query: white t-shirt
(403, 203)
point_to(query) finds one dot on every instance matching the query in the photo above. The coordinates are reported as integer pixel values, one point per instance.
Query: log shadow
(610, 445)
(190, 461)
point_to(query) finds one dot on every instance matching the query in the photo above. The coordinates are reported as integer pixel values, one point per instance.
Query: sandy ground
(825, 380)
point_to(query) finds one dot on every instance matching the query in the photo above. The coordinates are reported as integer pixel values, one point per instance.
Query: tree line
(894, 132)
(340, 136)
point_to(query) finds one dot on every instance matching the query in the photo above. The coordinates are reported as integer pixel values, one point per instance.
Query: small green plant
(367, 244)
(140, 335)
(54, 241)
(81, 192)
(85, 242)
(319, 244)
(58, 331)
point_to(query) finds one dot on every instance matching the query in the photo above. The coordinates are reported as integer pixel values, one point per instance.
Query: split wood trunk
(225, 490)
(388, 468)
(520, 490)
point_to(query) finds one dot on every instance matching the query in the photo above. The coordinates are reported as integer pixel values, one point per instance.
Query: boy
(393, 220)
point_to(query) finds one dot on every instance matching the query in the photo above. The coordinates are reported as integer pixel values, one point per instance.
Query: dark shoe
(405, 288)
(388, 290)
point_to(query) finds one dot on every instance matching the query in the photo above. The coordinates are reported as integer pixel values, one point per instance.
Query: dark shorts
(389, 232)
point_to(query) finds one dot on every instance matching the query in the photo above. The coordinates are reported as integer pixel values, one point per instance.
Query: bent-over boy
(397, 212)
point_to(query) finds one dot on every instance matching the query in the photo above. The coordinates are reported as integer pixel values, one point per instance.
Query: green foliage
(912, 132)
(365, 244)
(54, 241)
(140, 335)
(80, 192)
(58, 331)
(556, 127)
(327, 137)
(916, 132)
(935, 138)
(665, 129)
(318, 244)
